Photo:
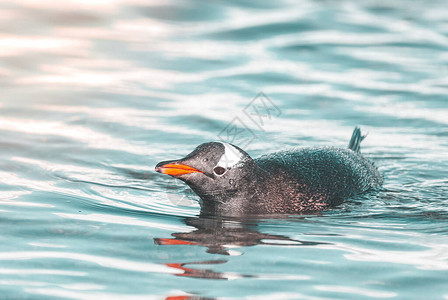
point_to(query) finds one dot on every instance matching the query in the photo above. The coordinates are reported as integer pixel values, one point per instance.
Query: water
(95, 93)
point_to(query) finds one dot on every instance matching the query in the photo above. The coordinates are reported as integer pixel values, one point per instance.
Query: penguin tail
(355, 141)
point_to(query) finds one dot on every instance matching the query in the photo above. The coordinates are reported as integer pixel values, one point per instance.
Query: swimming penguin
(230, 183)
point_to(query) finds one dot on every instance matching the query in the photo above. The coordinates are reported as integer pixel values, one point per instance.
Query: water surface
(95, 93)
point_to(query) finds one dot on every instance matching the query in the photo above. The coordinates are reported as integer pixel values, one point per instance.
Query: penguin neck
(247, 197)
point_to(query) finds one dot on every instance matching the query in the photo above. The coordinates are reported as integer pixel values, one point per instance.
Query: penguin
(231, 183)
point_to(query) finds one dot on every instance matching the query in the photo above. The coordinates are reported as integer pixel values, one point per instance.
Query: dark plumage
(229, 182)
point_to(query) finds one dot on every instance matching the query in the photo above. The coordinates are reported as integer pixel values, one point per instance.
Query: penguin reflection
(219, 236)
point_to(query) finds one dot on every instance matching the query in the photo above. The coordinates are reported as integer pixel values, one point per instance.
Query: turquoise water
(95, 93)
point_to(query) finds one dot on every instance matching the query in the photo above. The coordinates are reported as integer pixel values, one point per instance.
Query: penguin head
(213, 170)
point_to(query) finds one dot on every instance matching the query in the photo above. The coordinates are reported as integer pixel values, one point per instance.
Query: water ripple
(104, 261)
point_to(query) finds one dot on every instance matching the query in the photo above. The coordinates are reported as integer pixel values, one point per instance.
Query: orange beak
(176, 169)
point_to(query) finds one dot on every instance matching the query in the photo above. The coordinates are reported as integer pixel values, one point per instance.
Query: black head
(215, 171)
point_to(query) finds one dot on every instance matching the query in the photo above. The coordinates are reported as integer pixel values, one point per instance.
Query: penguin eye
(219, 170)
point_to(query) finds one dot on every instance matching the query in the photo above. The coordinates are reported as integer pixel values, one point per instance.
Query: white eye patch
(231, 156)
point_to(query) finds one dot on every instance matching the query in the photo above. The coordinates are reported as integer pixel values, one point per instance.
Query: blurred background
(95, 93)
